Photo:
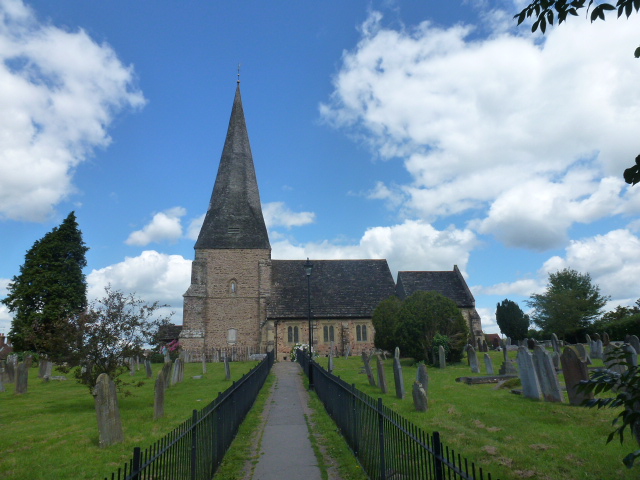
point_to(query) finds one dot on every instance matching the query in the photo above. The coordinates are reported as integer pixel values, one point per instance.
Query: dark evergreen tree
(422, 316)
(385, 319)
(50, 288)
(511, 319)
(569, 304)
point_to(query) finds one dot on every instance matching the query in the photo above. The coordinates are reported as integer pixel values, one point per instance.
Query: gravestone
(528, 376)
(422, 376)
(554, 343)
(175, 372)
(382, 377)
(488, 363)
(635, 343)
(605, 339)
(612, 359)
(2, 389)
(473, 359)
(28, 361)
(367, 369)
(582, 353)
(331, 358)
(398, 376)
(546, 372)
(107, 411)
(420, 400)
(132, 366)
(574, 371)
(204, 364)
(485, 346)
(158, 402)
(147, 368)
(22, 378)
(166, 373)
(10, 369)
(227, 368)
(630, 354)
(588, 339)
(347, 352)
(442, 357)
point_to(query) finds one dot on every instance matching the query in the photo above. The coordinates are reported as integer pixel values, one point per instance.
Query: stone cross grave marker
(382, 377)
(107, 412)
(546, 372)
(574, 371)
(367, 369)
(488, 363)
(528, 376)
(442, 357)
(473, 359)
(398, 376)
(420, 399)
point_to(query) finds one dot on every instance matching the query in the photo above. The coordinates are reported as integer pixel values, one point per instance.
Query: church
(240, 297)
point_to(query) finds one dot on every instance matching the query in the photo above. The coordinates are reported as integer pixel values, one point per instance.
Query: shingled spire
(234, 218)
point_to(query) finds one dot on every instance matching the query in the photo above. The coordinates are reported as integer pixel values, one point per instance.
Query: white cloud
(153, 276)
(59, 93)
(164, 226)
(195, 226)
(523, 287)
(529, 138)
(5, 316)
(277, 214)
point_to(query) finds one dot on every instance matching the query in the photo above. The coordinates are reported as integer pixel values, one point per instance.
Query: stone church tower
(226, 304)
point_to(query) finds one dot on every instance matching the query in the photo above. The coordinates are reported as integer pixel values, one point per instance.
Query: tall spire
(234, 218)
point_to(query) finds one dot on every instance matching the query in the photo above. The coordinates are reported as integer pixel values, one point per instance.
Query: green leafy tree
(512, 320)
(50, 288)
(385, 320)
(422, 316)
(546, 12)
(568, 305)
(110, 330)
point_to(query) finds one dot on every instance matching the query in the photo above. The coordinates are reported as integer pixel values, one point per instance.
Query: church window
(361, 333)
(232, 336)
(233, 287)
(328, 334)
(293, 335)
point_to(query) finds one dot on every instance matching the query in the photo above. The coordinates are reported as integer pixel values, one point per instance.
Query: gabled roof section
(234, 218)
(339, 288)
(450, 284)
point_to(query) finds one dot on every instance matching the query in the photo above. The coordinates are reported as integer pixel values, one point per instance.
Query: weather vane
(239, 73)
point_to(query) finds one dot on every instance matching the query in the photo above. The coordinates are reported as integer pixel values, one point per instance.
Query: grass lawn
(51, 431)
(510, 436)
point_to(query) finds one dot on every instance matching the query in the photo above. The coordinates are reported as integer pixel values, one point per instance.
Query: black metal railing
(194, 450)
(387, 445)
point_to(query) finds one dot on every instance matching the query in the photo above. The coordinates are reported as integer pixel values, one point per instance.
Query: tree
(568, 305)
(385, 320)
(547, 11)
(511, 319)
(112, 329)
(50, 288)
(422, 316)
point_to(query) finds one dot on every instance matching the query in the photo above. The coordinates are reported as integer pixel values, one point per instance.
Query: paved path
(285, 449)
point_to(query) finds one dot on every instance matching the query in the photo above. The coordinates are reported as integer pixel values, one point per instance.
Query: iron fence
(387, 445)
(194, 450)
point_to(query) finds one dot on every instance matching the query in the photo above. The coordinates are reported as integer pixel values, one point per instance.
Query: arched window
(233, 287)
(328, 334)
(361, 333)
(293, 335)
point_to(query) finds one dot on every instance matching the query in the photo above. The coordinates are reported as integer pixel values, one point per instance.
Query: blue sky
(427, 133)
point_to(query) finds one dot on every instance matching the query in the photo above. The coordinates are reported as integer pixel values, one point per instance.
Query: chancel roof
(339, 288)
(451, 284)
(234, 218)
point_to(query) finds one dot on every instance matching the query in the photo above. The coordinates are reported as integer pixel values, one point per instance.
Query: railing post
(354, 412)
(194, 445)
(383, 467)
(135, 464)
(437, 448)
(310, 372)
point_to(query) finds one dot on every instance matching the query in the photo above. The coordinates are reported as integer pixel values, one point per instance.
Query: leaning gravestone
(367, 369)
(488, 363)
(546, 372)
(158, 403)
(22, 378)
(442, 357)
(635, 343)
(107, 411)
(473, 359)
(582, 353)
(422, 377)
(528, 377)
(166, 373)
(555, 344)
(382, 377)
(147, 368)
(574, 371)
(398, 376)
(420, 400)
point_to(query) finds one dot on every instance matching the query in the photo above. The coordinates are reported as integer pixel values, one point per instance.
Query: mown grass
(51, 431)
(510, 436)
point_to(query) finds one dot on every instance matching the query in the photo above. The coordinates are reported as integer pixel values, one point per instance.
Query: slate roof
(234, 218)
(339, 288)
(169, 332)
(450, 284)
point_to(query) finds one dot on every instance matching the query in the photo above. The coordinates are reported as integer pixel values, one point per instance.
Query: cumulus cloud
(277, 214)
(164, 226)
(526, 135)
(5, 316)
(60, 92)
(194, 227)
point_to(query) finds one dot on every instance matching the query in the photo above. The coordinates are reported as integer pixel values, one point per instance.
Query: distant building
(5, 348)
(240, 297)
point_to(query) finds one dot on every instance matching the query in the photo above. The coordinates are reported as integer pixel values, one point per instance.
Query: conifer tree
(50, 288)
(511, 319)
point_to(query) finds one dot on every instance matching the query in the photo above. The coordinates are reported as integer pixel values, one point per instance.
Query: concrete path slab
(285, 449)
